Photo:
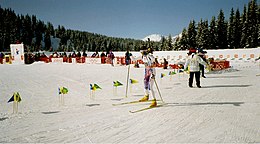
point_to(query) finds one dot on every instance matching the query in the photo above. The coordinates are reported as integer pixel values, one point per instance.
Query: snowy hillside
(158, 37)
(153, 37)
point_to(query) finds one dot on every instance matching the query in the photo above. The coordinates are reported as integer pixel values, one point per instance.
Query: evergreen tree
(1, 29)
(38, 34)
(169, 43)
(221, 31)
(205, 35)
(237, 30)
(50, 28)
(192, 34)
(231, 33)
(177, 45)
(244, 35)
(47, 41)
(252, 24)
(164, 44)
(258, 22)
(28, 30)
(199, 34)
(184, 45)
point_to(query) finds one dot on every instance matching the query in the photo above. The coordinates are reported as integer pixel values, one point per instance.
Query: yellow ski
(132, 102)
(147, 108)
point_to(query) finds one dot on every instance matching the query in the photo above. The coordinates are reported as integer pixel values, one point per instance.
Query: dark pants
(197, 77)
(202, 69)
(127, 61)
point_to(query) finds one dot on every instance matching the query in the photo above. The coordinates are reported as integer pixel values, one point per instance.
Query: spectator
(111, 57)
(78, 54)
(157, 64)
(128, 57)
(203, 56)
(136, 65)
(73, 55)
(84, 54)
(95, 55)
(193, 62)
(165, 63)
(1, 57)
(103, 57)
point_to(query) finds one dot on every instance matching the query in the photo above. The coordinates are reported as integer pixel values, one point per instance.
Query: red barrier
(65, 59)
(69, 60)
(220, 65)
(103, 60)
(118, 60)
(174, 66)
(123, 60)
(44, 59)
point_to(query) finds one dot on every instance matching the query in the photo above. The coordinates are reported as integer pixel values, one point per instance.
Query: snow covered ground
(225, 110)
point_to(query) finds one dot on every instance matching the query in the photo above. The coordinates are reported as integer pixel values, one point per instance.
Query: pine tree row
(240, 31)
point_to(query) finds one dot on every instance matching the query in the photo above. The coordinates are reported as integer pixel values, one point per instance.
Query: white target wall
(17, 53)
(228, 54)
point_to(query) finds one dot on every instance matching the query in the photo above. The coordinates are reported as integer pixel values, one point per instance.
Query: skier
(193, 61)
(149, 74)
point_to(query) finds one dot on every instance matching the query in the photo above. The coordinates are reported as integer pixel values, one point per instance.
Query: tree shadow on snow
(225, 76)
(50, 112)
(208, 103)
(119, 99)
(137, 95)
(218, 86)
(3, 118)
(91, 105)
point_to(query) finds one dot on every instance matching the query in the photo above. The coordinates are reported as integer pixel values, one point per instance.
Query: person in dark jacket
(203, 56)
(128, 57)
(111, 57)
(165, 63)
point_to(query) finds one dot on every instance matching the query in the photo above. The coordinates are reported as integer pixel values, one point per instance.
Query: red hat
(192, 50)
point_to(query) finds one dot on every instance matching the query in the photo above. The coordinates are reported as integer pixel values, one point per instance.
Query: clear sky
(124, 18)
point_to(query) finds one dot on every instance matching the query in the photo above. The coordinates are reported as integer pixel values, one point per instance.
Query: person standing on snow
(193, 62)
(111, 57)
(202, 53)
(128, 57)
(149, 74)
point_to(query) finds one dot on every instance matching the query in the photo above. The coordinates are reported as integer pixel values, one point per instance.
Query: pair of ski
(133, 102)
(142, 109)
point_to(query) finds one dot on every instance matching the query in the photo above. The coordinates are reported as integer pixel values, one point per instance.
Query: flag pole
(127, 80)
(13, 107)
(62, 99)
(16, 107)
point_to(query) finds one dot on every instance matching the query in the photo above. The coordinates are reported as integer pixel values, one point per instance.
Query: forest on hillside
(240, 30)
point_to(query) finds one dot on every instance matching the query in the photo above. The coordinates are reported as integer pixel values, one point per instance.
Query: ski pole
(158, 90)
